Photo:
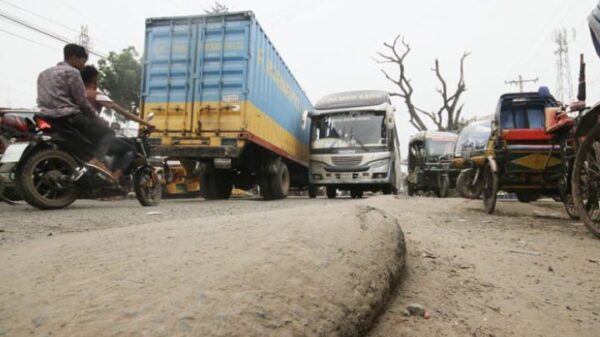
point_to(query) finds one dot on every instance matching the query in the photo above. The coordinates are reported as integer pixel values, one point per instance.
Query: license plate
(13, 152)
(346, 176)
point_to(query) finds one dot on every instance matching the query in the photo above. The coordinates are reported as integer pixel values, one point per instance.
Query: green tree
(121, 75)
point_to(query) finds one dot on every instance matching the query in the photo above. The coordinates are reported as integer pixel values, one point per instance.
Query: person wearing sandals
(61, 99)
(122, 149)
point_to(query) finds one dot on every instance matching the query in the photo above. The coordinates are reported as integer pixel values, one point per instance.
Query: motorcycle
(15, 125)
(51, 170)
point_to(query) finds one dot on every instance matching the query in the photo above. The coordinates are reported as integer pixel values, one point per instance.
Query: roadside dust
(291, 272)
(507, 274)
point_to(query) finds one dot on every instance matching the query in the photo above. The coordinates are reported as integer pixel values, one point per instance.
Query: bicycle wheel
(586, 181)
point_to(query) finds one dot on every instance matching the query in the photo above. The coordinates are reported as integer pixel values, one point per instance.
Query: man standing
(61, 99)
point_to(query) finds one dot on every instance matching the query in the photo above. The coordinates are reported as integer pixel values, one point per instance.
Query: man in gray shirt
(61, 99)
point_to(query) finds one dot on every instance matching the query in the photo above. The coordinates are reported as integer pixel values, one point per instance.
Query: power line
(56, 23)
(26, 39)
(47, 33)
(39, 16)
(520, 82)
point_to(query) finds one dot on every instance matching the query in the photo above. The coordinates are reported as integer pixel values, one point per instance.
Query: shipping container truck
(225, 104)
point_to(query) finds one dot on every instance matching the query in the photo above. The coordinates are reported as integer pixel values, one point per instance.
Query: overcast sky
(331, 45)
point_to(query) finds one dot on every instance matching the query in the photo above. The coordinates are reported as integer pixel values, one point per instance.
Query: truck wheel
(331, 192)
(216, 184)
(280, 182)
(275, 186)
(312, 191)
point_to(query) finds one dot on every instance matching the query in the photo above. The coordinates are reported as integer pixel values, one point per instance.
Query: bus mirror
(389, 122)
(304, 120)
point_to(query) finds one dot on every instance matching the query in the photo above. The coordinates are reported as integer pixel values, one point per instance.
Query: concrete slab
(310, 271)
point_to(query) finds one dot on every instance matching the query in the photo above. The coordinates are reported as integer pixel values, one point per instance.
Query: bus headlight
(380, 163)
(317, 166)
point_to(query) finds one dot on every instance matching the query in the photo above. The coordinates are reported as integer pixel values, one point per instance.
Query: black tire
(586, 181)
(527, 197)
(465, 186)
(443, 189)
(570, 207)
(35, 179)
(490, 189)
(216, 184)
(386, 190)
(312, 191)
(331, 192)
(280, 182)
(356, 193)
(410, 189)
(147, 187)
(275, 186)
(10, 195)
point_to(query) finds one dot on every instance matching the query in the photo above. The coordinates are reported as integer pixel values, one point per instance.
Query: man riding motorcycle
(62, 101)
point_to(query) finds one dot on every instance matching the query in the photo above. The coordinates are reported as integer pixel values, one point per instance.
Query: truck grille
(346, 160)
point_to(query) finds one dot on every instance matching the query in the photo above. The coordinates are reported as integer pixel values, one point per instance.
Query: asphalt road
(23, 222)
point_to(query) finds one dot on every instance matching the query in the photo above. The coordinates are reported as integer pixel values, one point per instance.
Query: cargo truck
(225, 104)
(353, 144)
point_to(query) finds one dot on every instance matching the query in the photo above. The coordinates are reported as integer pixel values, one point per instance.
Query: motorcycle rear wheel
(37, 179)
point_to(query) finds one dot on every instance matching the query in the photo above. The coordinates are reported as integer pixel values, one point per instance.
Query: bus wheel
(331, 192)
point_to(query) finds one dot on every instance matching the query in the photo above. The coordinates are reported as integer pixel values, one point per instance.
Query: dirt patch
(508, 274)
(295, 272)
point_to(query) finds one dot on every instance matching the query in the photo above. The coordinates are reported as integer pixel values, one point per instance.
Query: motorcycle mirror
(150, 117)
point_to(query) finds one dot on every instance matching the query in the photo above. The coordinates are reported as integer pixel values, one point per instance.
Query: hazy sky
(331, 45)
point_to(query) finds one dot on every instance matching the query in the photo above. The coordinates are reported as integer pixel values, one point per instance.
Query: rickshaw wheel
(490, 189)
(443, 189)
(586, 181)
(570, 207)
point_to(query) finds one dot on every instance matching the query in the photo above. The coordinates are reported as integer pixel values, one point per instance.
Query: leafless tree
(447, 117)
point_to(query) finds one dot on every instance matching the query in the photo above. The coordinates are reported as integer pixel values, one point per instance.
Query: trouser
(124, 153)
(95, 129)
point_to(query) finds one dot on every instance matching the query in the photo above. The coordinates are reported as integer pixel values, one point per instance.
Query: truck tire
(331, 192)
(216, 184)
(276, 186)
(312, 191)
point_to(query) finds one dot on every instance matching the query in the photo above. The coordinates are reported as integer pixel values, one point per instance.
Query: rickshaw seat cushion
(525, 135)
(557, 121)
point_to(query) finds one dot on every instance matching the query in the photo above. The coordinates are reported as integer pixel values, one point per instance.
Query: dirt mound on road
(296, 272)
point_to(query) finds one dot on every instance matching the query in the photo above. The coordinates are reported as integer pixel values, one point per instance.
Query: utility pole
(84, 38)
(564, 83)
(520, 82)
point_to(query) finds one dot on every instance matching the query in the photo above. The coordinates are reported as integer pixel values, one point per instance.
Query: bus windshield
(361, 129)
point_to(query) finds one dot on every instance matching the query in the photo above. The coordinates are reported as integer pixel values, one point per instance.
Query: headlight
(316, 165)
(380, 163)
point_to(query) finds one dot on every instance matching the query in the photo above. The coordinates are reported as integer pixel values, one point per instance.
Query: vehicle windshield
(361, 129)
(474, 137)
(439, 147)
(522, 116)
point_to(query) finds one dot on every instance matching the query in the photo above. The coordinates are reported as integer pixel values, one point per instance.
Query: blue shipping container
(216, 84)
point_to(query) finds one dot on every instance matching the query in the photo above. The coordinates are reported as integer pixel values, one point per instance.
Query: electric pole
(84, 38)
(520, 82)
(564, 82)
